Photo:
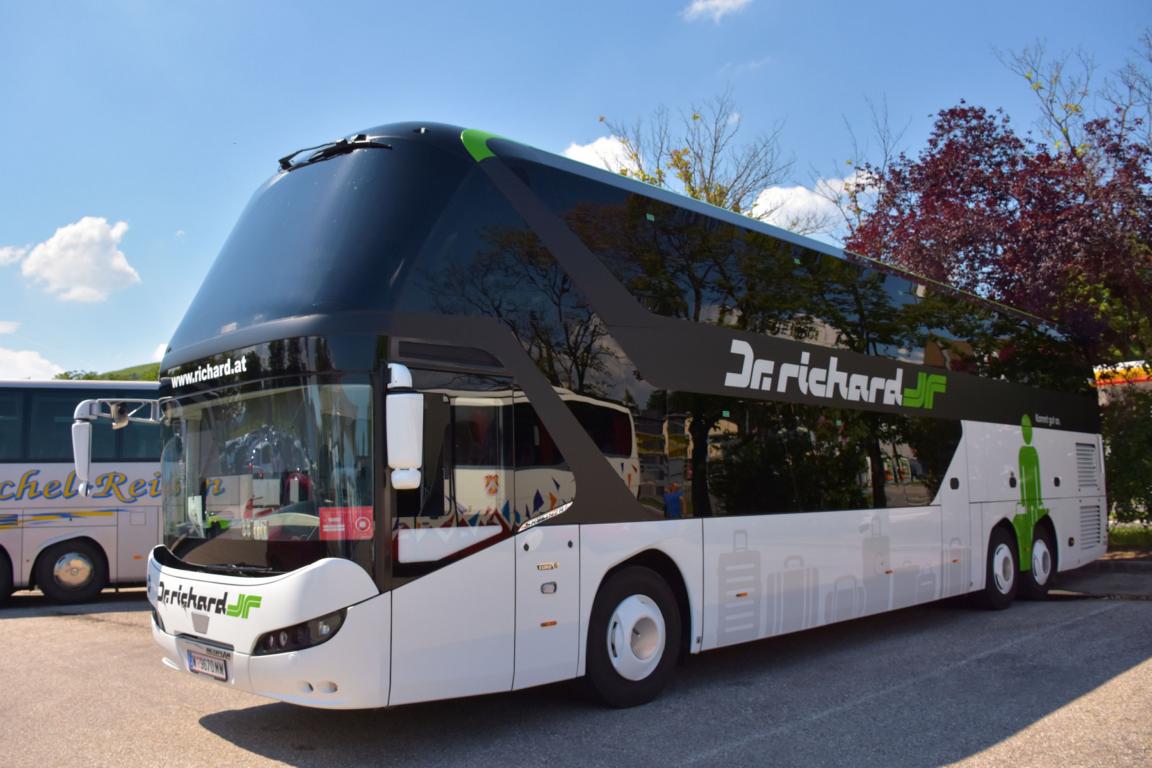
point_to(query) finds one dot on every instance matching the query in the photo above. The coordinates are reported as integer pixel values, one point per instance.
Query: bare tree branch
(704, 159)
(1062, 85)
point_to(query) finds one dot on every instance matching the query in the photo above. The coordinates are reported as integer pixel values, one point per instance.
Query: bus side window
(543, 478)
(432, 500)
(139, 442)
(50, 427)
(11, 428)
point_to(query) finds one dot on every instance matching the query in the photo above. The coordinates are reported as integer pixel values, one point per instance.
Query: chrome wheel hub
(73, 571)
(1041, 562)
(1003, 568)
(636, 637)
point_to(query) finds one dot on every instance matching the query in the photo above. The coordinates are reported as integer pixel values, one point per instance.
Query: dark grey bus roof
(144, 386)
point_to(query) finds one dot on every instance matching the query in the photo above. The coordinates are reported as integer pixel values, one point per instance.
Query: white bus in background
(52, 537)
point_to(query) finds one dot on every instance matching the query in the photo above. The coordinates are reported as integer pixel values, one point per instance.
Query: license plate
(202, 664)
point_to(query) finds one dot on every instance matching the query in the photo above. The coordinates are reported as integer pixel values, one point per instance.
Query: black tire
(625, 675)
(72, 571)
(1001, 573)
(5, 577)
(1035, 582)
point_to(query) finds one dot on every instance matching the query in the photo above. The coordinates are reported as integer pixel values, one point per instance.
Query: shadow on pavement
(923, 686)
(33, 603)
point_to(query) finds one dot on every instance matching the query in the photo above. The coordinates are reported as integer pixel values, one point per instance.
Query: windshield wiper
(240, 569)
(330, 150)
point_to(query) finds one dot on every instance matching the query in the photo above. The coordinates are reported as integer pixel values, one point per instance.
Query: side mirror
(404, 417)
(82, 455)
(120, 415)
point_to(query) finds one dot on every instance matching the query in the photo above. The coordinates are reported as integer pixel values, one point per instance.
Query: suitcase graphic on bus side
(845, 601)
(793, 597)
(738, 600)
(876, 551)
(956, 573)
(904, 580)
(926, 586)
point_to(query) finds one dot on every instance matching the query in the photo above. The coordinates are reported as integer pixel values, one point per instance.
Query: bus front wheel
(633, 637)
(71, 571)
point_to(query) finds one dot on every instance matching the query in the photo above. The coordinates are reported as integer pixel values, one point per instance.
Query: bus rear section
(52, 536)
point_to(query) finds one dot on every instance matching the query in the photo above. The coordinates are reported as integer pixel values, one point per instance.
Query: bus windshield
(270, 478)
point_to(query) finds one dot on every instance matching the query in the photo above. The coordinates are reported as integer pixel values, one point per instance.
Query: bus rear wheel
(633, 638)
(1001, 575)
(1035, 583)
(6, 577)
(71, 571)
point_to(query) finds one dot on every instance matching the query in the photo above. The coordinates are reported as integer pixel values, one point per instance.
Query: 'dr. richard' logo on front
(194, 601)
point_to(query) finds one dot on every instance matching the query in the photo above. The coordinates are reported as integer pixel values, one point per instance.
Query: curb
(1140, 565)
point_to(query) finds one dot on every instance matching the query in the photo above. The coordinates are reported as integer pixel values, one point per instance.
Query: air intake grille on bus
(1091, 526)
(1087, 470)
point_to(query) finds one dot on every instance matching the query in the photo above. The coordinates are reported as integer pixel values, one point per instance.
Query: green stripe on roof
(476, 142)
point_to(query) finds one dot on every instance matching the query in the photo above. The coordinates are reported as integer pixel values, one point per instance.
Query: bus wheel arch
(71, 571)
(1037, 580)
(666, 567)
(635, 634)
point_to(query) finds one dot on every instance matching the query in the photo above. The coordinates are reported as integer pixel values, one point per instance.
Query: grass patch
(1129, 535)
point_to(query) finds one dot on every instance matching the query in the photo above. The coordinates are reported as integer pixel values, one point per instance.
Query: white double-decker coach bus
(452, 416)
(52, 536)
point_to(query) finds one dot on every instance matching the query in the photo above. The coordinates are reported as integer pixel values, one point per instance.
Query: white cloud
(180, 233)
(9, 326)
(737, 69)
(801, 207)
(82, 261)
(158, 353)
(10, 254)
(26, 364)
(779, 205)
(717, 9)
(606, 152)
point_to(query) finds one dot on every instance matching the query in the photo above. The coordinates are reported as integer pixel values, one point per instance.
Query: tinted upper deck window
(332, 236)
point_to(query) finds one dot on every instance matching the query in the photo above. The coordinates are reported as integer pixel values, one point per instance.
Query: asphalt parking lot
(1067, 681)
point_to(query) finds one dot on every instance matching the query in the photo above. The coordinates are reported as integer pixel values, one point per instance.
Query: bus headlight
(300, 636)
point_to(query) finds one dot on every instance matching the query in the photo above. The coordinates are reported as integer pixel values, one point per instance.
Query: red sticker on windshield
(346, 523)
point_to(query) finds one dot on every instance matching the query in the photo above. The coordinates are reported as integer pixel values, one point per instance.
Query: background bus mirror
(82, 454)
(404, 416)
(120, 414)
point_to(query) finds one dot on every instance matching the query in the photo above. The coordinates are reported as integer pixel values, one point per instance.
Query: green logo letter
(244, 604)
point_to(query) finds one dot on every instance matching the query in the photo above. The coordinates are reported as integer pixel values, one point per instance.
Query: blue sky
(133, 133)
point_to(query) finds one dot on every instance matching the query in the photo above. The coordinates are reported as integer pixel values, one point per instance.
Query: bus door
(959, 527)
(453, 614)
(547, 559)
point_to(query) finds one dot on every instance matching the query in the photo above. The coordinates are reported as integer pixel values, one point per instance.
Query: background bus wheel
(5, 576)
(1034, 584)
(71, 572)
(1001, 574)
(633, 638)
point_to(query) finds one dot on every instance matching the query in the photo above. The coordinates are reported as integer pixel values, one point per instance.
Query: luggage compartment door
(547, 605)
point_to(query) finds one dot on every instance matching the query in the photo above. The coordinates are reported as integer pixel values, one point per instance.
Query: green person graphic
(1031, 500)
